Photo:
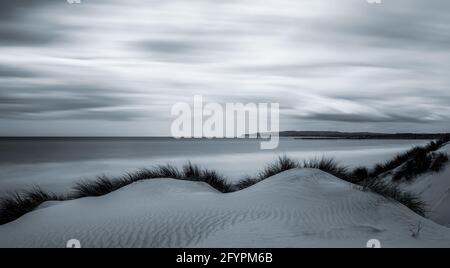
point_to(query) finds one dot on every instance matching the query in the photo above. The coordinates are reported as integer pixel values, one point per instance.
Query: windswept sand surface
(297, 208)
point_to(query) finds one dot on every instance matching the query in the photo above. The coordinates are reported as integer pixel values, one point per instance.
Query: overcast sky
(109, 67)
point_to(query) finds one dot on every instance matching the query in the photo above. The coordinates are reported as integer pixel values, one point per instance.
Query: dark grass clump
(420, 164)
(101, 186)
(104, 185)
(439, 161)
(246, 182)
(328, 165)
(359, 174)
(392, 191)
(164, 171)
(377, 170)
(418, 153)
(282, 163)
(14, 205)
(396, 161)
(193, 172)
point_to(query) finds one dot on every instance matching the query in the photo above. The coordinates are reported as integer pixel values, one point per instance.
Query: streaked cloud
(343, 65)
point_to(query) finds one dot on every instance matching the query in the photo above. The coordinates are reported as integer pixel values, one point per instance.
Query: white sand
(297, 208)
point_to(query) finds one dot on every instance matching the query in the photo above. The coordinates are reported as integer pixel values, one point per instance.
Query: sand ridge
(296, 208)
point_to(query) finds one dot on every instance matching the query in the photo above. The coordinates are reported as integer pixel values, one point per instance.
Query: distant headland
(353, 135)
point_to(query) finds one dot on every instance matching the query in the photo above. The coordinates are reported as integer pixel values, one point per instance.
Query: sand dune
(434, 189)
(296, 208)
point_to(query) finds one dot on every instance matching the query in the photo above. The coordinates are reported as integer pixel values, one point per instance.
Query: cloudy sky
(110, 67)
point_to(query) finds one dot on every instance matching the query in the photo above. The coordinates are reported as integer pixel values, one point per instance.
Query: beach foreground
(296, 208)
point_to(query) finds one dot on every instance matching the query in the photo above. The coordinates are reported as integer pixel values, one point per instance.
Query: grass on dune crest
(392, 191)
(328, 165)
(421, 163)
(419, 155)
(191, 172)
(282, 163)
(14, 205)
(406, 165)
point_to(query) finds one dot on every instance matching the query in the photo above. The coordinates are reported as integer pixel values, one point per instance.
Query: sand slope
(297, 208)
(434, 188)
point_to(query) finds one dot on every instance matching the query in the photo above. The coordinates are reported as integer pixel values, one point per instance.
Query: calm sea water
(58, 163)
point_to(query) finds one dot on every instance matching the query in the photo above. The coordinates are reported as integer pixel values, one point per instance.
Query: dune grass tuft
(104, 185)
(14, 205)
(101, 186)
(359, 174)
(415, 154)
(392, 191)
(193, 172)
(328, 165)
(421, 163)
(282, 163)
(439, 162)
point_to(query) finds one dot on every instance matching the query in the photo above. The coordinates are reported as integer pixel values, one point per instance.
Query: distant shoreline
(361, 138)
(307, 135)
(315, 136)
